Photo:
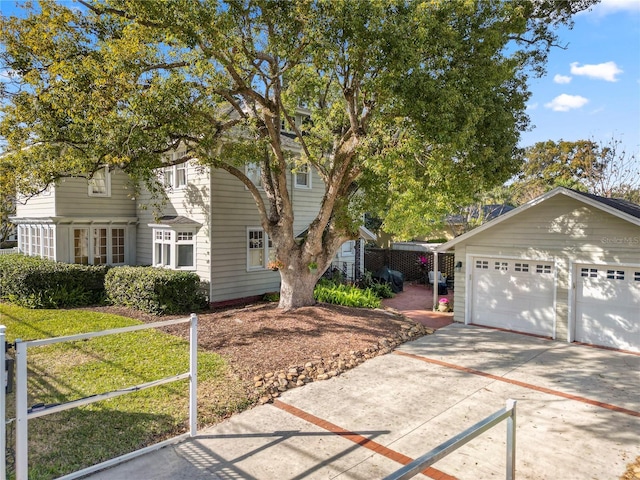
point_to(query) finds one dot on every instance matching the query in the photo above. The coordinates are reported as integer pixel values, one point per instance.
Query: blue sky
(592, 88)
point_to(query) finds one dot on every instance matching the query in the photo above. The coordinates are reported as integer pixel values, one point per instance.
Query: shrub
(347, 295)
(155, 290)
(382, 290)
(39, 283)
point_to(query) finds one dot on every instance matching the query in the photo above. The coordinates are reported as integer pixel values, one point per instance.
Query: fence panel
(406, 261)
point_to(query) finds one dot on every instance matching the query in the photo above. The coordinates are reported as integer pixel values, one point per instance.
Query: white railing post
(3, 407)
(193, 377)
(511, 440)
(22, 411)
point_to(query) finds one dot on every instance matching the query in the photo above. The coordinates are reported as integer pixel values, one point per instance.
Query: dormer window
(100, 183)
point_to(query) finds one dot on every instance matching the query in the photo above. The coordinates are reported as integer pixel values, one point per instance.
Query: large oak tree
(411, 103)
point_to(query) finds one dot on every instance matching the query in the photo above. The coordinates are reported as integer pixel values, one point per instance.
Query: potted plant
(443, 305)
(275, 265)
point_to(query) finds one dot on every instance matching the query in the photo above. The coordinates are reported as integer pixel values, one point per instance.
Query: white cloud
(532, 106)
(605, 7)
(561, 78)
(564, 102)
(603, 71)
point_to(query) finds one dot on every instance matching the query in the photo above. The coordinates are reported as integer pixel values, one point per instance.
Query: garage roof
(620, 208)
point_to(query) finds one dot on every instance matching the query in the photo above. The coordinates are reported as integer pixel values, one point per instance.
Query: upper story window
(100, 183)
(303, 176)
(254, 173)
(175, 176)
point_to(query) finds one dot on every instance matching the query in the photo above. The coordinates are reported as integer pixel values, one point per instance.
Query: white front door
(513, 294)
(607, 310)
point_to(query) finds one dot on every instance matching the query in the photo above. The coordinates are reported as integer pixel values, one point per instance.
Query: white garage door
(513, 294)
(608, 306)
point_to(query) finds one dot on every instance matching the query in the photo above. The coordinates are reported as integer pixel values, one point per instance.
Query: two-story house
(209, 225)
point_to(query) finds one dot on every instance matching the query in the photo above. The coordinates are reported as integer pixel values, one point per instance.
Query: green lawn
(68, 441)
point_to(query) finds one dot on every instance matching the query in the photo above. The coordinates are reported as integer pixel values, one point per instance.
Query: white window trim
(301, 170)
(174, 243)
(91, 244)
(37, 240)
(348, 248)
(254, 176)
(268, 252)
(107, 181)
(171, 182)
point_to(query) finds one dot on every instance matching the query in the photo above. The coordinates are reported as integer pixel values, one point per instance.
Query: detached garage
(565, 265)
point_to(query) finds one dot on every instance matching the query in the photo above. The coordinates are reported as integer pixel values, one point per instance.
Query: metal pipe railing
(24, 413)
(420, 464)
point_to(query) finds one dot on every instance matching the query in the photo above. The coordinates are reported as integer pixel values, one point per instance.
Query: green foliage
(154, 290)
(411, 104)
(38, 283)
(347, 295)
(381, 290)
(271, 297)
(600, 168)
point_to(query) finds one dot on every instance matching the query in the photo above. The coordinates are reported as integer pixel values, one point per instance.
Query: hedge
(39, 283)
(154, 290)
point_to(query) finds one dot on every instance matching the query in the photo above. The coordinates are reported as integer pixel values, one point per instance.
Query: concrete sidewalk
(578, 416)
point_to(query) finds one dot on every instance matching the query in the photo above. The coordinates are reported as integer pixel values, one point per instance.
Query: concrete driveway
(578, 416)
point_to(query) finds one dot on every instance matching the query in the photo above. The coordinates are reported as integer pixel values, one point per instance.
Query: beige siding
(560, 229)
(193, 202)
(72, 198)
(40, 206)
(233, 211)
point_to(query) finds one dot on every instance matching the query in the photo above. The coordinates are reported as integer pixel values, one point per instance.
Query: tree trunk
(296, 287)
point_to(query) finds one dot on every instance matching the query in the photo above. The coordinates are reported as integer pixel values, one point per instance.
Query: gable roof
(617, 207)
(486, 212)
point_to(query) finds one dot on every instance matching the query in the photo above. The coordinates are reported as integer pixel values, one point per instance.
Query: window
(175, 176)
(636, 276)
(117, 246)
(503, 266)
(174, 249)
(303, 176)
(37, 240)
(99, 246)
(348, 248)
(260, 249)
(81, 246)
(100, 183)
(588, 272)
(615, 274)
(482, 264)
(521, 267)
(99, 238)
(254, 173)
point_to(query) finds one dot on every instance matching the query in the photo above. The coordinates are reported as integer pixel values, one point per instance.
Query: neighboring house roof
(620, 208)
(487, 212)
(363, 233)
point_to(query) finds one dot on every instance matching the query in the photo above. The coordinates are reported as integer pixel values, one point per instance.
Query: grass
(68, 441)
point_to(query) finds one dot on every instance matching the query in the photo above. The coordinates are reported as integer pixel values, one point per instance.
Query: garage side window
(615, 274)
(589, 272)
